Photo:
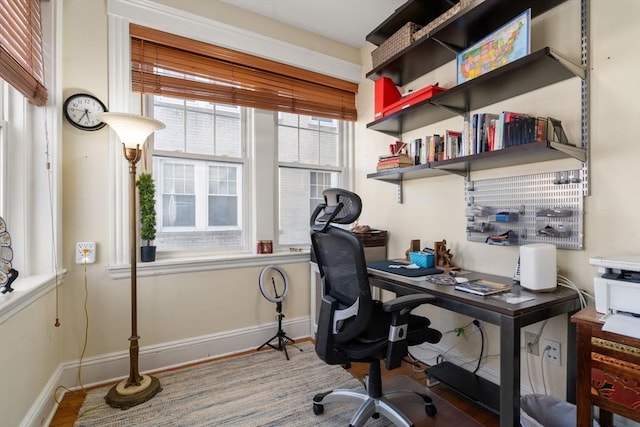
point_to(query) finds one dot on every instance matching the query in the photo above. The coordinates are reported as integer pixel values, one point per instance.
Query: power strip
(85, 252)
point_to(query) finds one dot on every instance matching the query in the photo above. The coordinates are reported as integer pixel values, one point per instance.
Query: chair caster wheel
(431, 410)
(318, 409)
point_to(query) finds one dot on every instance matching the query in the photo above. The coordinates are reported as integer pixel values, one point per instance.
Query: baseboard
(111, 367)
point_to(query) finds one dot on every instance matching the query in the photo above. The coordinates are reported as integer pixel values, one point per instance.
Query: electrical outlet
(551, 351)
(85, 252)
(531, 343)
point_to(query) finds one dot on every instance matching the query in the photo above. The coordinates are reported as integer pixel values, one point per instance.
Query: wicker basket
(401, 39)
(424, 31)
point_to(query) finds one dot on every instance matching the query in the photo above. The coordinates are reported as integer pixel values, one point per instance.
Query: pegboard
(518, 210)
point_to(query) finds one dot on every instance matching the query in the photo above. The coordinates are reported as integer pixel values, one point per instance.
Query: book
(482, 287)
(452, 144)
(394, 161)
(486, 143)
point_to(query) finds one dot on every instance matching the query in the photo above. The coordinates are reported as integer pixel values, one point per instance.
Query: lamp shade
(132, 129)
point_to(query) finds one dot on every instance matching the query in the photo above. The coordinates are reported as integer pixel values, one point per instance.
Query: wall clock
(82, 109)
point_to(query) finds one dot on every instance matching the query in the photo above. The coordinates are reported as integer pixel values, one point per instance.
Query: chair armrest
(400, 309)
(407, 301)
(324, 336)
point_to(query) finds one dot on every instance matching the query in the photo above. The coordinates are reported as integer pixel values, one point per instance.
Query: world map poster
(505, 45)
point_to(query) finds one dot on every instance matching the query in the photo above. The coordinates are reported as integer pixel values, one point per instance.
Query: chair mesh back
(341, 261)
(339, 207)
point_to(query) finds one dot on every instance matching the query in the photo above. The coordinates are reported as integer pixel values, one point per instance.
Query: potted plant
(146, 193)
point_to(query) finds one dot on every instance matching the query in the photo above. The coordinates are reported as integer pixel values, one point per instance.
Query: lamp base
(123, 397)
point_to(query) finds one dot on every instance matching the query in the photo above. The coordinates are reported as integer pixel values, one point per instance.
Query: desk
(608, 371)
(510, 317)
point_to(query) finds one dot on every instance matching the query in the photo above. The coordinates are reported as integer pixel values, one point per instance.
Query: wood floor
(69, 406)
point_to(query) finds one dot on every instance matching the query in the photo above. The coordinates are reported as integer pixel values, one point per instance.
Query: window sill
(27, 290)
(189, 265)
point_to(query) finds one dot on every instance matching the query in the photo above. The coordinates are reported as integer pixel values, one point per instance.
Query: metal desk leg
(509, 371)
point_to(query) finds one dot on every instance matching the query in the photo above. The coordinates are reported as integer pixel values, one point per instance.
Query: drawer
(615, 373)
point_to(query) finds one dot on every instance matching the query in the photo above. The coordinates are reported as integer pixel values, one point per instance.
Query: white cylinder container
(538, 267)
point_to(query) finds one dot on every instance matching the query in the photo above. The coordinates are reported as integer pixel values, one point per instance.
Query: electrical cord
(544, 384)
(529, 372)
(440, 355)
(582, 294)
(477, 323)
(86, 338)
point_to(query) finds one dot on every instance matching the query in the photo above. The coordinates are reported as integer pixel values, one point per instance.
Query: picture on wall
(508, 43)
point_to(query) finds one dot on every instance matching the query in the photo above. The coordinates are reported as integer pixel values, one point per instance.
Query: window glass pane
(199, 220)
(228, 133)
(329, 146)
(199, 200)
(178, 198)
(300, 192)
(172, 136)
(223, 210)
(315, 142)
(288, 119)
(287, 144)
(200, 127)
(223, 200)
(309, 147)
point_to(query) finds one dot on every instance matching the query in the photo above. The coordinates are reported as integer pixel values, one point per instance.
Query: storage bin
(400, 40)
(422, 259)
(373, 238)
(424, 31)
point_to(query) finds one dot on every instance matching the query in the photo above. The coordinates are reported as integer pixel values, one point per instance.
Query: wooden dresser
(608, 369)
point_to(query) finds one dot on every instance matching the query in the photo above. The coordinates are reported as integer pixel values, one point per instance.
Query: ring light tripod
(274, 285)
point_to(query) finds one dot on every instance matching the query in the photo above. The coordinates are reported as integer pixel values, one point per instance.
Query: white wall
(433, 208)
(181, 307)
(171, 307)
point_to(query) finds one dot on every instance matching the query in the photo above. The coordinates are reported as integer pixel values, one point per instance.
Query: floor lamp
(133, 130)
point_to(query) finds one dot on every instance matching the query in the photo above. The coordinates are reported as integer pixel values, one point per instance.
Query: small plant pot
(147, 253)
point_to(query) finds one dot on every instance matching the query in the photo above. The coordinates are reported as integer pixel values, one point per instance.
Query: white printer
(617, 284)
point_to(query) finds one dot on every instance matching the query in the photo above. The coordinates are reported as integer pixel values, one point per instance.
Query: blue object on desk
(414, 272)
(422, 259)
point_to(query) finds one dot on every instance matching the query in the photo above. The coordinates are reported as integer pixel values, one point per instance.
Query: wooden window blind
(166, 64)
(21, 63)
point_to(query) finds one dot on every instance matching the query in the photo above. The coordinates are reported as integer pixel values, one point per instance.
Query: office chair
(352, 326)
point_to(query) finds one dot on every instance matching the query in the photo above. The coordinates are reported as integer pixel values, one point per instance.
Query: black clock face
(81, 110)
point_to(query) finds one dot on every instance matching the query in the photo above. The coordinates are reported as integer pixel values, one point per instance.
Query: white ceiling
(346, 21)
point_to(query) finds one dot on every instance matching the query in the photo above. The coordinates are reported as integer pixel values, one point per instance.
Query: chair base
(372, 406)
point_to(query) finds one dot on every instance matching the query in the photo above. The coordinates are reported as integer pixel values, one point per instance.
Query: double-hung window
(198, 165)
(311, 158)
(226, 173)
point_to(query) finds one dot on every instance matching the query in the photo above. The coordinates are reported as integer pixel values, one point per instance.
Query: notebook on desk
(389, 267)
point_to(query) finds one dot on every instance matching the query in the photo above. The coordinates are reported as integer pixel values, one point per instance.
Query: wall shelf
(469, 25)
(440, 46)
(511, 156)
(534, 71)
(417, 11)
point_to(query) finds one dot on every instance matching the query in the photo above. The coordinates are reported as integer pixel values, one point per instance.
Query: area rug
(258, 389)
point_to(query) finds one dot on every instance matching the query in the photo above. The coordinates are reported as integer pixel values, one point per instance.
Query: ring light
(274, 283)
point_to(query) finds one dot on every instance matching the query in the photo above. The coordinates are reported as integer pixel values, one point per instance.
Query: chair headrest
(339, 207)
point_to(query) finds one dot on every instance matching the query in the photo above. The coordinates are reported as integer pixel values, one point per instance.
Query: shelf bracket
(576, 69)
(456, 111)
(448, 46)
(570, 150)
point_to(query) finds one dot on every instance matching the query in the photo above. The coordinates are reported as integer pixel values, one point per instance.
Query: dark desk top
(494, 303)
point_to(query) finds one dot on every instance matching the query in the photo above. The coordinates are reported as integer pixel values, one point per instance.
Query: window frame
(30, 194)
(343, 132)
(120, 14)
